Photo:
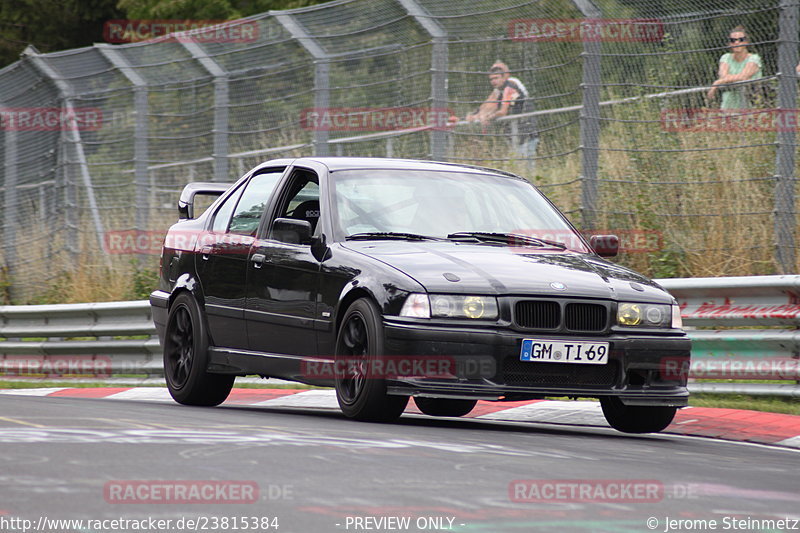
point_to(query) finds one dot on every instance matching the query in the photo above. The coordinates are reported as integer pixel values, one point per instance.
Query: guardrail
(765, 346)
(79, 340)
(83, 339)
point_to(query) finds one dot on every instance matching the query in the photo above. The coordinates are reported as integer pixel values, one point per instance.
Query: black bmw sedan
(389, 279)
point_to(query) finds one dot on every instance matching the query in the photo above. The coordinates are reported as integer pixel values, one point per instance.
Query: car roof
(334, 164)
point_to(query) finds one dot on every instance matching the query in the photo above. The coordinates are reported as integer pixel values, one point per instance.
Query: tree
(52, 25)
(206, 9)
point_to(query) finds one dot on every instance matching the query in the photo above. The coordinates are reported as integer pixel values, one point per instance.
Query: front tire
(444, 406)
(636, 418)
(186, 357)
(360, 393)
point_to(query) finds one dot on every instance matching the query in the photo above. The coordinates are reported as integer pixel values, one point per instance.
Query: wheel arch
(347, 299)
(186, 282)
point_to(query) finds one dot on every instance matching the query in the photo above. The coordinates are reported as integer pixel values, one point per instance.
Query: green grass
(38, 383)
(771, 404)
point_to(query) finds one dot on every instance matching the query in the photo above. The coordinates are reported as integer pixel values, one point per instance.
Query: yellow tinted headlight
(644, 315)
(474, 306)
(458, 306)
(629, 314)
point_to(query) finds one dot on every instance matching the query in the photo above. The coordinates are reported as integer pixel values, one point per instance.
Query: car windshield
(440, 204)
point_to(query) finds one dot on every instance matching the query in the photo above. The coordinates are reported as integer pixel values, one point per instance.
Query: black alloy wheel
(179, 348)
(361, 393)
(186, 357)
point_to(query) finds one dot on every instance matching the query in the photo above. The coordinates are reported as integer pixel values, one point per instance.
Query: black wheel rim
(352, 358)
(180, 347)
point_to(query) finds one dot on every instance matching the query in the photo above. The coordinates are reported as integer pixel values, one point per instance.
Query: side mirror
(292, 231)
(605, 245)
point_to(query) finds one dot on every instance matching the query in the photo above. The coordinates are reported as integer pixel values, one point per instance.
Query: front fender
(388, 294)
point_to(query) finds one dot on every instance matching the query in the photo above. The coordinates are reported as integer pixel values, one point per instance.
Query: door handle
(205, 251)
(258, 260)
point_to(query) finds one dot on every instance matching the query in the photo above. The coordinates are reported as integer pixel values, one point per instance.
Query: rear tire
(636, 418)
(186, 357)
(361, 395)
(444, 406)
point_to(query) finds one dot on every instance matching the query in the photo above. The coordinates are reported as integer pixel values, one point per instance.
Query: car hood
(450, 267)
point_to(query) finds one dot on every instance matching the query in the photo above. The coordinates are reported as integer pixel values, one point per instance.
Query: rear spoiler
(186, 201)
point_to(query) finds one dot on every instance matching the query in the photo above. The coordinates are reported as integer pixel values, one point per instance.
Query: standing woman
(736, 65)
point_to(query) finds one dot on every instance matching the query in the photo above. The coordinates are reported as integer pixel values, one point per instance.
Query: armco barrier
(80, 338)
(765, 346)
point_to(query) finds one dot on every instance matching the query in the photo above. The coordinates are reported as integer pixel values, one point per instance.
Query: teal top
(736, 97)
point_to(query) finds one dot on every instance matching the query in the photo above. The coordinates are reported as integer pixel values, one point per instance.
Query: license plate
(578, 352)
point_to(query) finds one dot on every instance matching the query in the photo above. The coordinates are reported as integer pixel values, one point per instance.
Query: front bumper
(641, 369)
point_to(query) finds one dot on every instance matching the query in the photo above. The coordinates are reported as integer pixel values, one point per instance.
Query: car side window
(223, 214)
(253, 202)
(302, 199)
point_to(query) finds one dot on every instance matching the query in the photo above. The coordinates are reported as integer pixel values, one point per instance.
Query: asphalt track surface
(310, 470)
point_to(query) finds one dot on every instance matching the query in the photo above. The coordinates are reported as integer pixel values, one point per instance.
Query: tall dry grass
(708, 194)
(55, 267)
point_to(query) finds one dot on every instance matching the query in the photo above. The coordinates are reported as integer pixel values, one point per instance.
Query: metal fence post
(531, 139)
(220, 154)
(439, 66)
(784, 195)
(140, 143)
(590, 119)
(439, 98)
(10, 207)
(322, 101)
(72, 133)
(322, 87)
(221, 100)
(65, 187)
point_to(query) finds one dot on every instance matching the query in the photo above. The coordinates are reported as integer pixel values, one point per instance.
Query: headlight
(450, 306)
(645, 315)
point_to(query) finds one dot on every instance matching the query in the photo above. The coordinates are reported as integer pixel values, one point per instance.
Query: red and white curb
(727, 424)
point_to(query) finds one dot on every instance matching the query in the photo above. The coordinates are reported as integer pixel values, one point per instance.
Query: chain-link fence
(617, 127)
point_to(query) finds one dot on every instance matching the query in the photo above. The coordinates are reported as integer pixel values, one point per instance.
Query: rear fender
(187, 282)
